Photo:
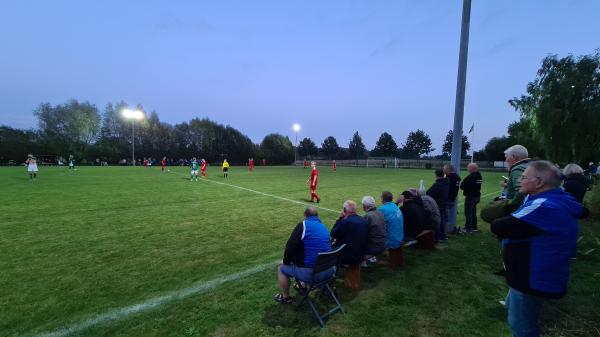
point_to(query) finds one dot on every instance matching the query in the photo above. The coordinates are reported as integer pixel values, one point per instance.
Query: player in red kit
(334, 166)
(145, 163)
(264, 162)
(251, 164)
(313, 180)
(305, 163)
(203, 168)
(163, 164)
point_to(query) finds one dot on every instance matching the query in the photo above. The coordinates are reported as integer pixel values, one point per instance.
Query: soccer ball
(168, 170)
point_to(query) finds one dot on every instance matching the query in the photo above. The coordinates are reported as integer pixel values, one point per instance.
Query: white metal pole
(133, 141)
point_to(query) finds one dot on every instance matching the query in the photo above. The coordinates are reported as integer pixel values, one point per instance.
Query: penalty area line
(122, 313)
(265, 194)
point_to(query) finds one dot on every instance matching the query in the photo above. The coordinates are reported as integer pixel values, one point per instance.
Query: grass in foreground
(78, 244)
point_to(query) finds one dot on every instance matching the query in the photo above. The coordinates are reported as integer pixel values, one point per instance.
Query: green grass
(74, 245)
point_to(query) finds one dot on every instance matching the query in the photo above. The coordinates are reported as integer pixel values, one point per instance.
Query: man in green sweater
(517, 158)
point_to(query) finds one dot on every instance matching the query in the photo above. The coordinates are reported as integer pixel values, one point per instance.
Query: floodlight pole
(133, 141)
(296, 149)
(459, 104)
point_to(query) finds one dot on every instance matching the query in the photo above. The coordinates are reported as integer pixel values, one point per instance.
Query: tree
(417, 143)
(307, 148)
(494, 149)
(447, 147)
(520, 132)
(15, 144)
(330, 147)
(69, 127)
(562, 108)
(385, 147)
(277, 149)
(356, 148)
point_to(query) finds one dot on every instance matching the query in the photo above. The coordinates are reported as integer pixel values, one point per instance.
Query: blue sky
(335, 67)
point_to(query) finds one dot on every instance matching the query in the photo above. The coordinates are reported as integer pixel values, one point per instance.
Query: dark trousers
(440, 233)
(471, 212)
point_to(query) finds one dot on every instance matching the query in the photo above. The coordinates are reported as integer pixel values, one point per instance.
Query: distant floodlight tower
(133, 114)
(296, 128)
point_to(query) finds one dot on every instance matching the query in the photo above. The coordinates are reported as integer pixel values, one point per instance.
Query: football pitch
(129, 251)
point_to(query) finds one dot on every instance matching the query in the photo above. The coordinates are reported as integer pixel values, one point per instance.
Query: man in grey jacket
(376, 235)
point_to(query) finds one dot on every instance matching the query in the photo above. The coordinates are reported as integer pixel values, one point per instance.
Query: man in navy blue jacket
(352, 230)
(538, 240)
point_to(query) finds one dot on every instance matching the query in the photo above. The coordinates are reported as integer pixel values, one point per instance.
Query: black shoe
(318, 201)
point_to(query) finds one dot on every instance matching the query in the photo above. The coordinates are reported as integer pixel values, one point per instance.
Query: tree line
(79, 129)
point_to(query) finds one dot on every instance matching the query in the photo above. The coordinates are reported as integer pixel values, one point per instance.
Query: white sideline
(265, 194)
(291, 200)
(119, 314)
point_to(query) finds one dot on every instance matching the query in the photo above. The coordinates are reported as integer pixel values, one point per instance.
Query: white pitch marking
(482, 197)
(119, 314)
(266, 194)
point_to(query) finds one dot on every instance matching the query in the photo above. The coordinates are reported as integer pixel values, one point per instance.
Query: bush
(592, 201)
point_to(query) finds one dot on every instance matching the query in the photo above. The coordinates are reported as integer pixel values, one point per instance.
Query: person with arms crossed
(538, 240)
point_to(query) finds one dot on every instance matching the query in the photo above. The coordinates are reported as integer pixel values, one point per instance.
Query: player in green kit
(194, 166)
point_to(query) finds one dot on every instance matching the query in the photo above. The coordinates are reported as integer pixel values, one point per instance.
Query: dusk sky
(334, 67)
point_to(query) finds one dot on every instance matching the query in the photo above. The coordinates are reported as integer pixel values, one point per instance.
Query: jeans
(306, 274)
(471, 212)
(451, 216)
(523, 313)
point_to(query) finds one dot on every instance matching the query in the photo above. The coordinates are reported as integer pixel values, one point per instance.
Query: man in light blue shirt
(394, 223)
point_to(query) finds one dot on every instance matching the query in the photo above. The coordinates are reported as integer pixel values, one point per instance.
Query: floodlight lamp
(296, 127)
(133, 114)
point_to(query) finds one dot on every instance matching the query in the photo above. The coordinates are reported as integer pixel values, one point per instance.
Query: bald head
(350, 206)
(310, 211)
(472, 167)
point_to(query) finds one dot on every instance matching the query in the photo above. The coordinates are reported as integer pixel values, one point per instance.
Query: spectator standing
(517, 157)
(454, 184)
(538, 240)
(471, 187)
(439, 192)
(592, 169)
(575, 182)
